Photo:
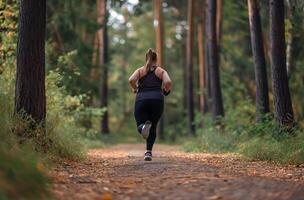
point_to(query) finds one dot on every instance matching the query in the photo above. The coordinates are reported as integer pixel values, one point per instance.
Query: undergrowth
(26, 154)
(255, 141)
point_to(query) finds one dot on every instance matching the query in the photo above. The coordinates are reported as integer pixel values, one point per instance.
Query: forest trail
(119, 172)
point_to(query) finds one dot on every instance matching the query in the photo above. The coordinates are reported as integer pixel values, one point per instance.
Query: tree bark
(207, 64)
(219, 16)
(201, 57)
(262, 99)
(189, 65)
(216, 95)
(124, 87)
(159, 30)
(289, 49)
(281, 94)
(103, 61)
(95, 50)
(183, 46)
(30, 76)
(219, 22)
(266, 44)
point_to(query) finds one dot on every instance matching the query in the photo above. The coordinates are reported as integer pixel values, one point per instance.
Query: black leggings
(149, 109)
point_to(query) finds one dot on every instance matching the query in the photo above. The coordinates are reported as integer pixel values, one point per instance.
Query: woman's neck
(153, 65)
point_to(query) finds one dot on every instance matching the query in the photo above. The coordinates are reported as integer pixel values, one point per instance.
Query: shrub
(257, 141)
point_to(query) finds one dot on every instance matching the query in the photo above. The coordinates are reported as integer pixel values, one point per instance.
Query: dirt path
(120, 173)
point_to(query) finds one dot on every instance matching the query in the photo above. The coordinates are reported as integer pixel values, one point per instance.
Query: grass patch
(289, 150)
(22, 174)
(240, 134)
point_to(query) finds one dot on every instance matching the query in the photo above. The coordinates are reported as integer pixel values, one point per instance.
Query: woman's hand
(166, 93)
(135, 90)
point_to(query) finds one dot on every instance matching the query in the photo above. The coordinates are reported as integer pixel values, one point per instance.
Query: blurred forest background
(91, 48)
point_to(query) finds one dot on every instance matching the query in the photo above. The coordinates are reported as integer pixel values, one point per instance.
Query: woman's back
(149, 86)
(149, 82)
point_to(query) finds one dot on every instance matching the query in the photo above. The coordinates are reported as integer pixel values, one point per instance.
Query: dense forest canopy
(124, 35)
(72, 51)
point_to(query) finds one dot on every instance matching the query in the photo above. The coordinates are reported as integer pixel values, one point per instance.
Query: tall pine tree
(189, 69)
(213, 61)
(30, 75)
(281, 94)
(159, 31)
(103, 61)
(262, 100)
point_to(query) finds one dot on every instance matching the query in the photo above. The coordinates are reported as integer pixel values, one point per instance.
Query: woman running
(151, 83)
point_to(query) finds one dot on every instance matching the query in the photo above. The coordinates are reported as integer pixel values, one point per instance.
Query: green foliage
(60, 140)
(62, 127)
(71, 29)
(22, 175)
(8, 29)
(22, 171)
(22, 152)
(240, 133)
(288, 150)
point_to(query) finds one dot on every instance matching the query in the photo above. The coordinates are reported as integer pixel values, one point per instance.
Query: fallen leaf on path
(215, 197)
(106, 196)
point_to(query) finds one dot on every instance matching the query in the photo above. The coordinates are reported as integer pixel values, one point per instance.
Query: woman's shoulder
(141, 71)
(160, 70)
(142, 68)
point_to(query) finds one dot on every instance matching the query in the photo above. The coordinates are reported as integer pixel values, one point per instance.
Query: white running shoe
(145, 131)
(148, 156)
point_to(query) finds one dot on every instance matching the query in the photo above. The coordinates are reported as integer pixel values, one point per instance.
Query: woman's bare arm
(164, 76)
(167, 83)
(134, 78)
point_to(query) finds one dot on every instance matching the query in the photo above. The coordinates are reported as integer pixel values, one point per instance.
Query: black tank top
(149, 86)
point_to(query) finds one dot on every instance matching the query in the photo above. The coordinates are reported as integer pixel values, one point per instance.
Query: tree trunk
(189, 65)
(201, 58)
(124, 86)
(216, 95)
(219, 16)
(282, 100)
(266, 44)
(290, 17)
(30, 75)
(183, 46)
(95, 50)
(159, 30)
(207, 64)
(219, 22)
(262, 100)
(103, 61)
(208, 82)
